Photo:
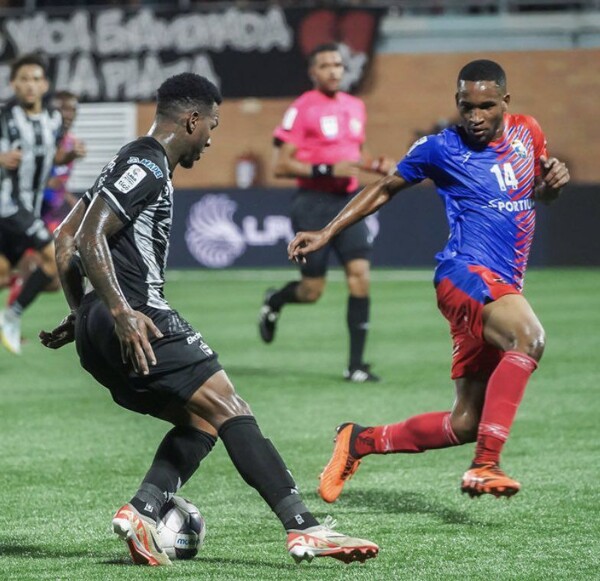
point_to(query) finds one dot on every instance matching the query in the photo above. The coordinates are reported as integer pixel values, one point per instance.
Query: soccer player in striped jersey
(29, 133)
(490, 170)
(116, 241)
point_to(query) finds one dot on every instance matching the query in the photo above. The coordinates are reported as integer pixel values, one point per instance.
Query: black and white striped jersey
(136, 184)
(37, 137)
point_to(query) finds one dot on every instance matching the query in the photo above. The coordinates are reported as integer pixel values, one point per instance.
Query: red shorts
(462, 291)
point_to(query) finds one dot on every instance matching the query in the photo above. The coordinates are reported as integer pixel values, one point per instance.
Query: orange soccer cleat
(342, 464)
(488, 479)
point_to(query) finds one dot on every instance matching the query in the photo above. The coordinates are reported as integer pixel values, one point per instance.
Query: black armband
(321, 170)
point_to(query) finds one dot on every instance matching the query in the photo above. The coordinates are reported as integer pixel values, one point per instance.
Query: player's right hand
(11, 159)
(133, 330)
(304, 243)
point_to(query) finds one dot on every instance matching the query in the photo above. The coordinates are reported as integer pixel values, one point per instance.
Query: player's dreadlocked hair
(32, 58)
(483, 70)
(185, 91)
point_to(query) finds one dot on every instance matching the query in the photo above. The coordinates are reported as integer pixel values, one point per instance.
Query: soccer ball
(181, 528)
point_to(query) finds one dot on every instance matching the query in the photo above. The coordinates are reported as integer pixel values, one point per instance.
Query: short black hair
(483, 70)
(64, 95)
(326, 47)
(186, 91)
(32, 58)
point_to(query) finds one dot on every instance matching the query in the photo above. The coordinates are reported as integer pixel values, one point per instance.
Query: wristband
(322, 170)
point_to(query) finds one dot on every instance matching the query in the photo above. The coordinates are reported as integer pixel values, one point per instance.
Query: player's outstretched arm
(132, 327)
(554, 176)
(367, 201)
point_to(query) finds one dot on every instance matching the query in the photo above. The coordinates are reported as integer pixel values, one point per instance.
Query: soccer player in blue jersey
(489, 170)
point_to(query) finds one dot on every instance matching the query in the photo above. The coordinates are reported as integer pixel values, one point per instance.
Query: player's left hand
(555, 174)
(63, 334)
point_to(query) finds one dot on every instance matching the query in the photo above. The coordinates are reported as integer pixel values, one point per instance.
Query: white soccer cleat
(10, 332)
(322, 541)
(141, 537)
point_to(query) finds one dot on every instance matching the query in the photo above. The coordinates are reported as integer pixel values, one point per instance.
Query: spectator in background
(57, 201)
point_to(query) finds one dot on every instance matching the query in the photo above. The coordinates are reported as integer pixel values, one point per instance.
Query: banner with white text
(119, 54)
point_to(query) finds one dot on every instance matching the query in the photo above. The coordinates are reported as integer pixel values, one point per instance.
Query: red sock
(416, 434)
(503, 395)
(15, 285)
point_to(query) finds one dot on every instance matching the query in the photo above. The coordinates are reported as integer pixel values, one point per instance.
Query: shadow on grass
(406, 502)
(28, 551)
(15, 548)
(221, 561)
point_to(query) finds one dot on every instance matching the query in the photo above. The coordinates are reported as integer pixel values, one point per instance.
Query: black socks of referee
(32, 287)
(176, 459)
(357, 317)
(261, 466)
(286, 294)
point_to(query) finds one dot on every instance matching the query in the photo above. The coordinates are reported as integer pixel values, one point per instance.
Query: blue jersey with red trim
(488, 193)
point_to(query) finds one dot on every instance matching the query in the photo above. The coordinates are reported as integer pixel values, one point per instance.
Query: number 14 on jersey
(505, 176)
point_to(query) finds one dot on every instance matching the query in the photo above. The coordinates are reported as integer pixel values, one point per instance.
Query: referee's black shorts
(183, 360)
(311, 210)
(20, 232)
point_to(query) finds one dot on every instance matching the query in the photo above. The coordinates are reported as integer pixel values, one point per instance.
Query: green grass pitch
(69, 456)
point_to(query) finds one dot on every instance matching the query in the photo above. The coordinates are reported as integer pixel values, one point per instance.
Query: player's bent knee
(217, 401)
(530, 340)
(465, 427)
(532, 343)
(536, 345)
(310, 295)
(53, 285)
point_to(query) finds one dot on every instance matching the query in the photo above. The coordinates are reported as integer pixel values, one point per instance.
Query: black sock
(176, 459)
(33, 286)
(358, 325)
(286, 294)
(261, 466)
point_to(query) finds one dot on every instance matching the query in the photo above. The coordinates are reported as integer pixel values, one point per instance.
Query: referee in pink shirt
(320, 143)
